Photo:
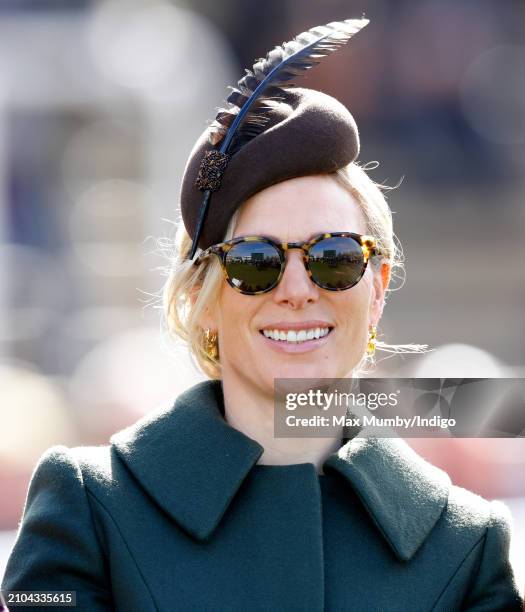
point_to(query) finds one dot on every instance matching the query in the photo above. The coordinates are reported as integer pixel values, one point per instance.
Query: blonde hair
(190, 290)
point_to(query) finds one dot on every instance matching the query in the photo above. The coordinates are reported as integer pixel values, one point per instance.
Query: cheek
(357, 301)
(235, 316)
(228, 310)
(353, 311)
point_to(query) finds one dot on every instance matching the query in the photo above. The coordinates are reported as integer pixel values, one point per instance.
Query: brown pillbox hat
(292, 132)
(310, 133)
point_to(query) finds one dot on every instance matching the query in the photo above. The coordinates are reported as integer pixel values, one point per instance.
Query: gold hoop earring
(211, 343)
(372, 335)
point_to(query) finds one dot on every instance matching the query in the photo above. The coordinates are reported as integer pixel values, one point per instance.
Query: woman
(201, 507)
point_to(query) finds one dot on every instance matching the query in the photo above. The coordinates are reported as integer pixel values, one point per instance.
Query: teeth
(296, 335)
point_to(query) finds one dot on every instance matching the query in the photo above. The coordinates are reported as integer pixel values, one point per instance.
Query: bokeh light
(133, 371)
(458, 360)
(32, 295)
(136, 43)
(104, 224)
(493, 94)
(40, 418)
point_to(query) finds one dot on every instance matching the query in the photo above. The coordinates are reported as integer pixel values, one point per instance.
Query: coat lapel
(404, 494)
(188, 458)
(192, 463)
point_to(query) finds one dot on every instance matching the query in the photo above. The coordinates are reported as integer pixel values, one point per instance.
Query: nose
(295, 289)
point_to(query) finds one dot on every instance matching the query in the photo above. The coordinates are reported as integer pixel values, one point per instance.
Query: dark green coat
(176, 515)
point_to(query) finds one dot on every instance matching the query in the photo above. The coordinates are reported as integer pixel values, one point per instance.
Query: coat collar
(192, 463)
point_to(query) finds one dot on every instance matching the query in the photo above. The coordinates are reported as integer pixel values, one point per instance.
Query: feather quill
(249, 102)
(281, 66)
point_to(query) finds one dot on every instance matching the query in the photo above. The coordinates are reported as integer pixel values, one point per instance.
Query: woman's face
(295, 210)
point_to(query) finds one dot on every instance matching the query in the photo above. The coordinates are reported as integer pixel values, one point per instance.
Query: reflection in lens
(253, 266)
(337, 262)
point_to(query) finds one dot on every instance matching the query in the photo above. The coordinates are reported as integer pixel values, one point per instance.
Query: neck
(251, 411)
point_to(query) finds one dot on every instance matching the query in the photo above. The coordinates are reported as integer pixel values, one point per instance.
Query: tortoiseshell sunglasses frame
(368, 246)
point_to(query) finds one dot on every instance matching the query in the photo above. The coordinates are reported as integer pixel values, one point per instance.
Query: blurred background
(100, 104)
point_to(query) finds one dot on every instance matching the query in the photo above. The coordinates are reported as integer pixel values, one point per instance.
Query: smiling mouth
(296, 337)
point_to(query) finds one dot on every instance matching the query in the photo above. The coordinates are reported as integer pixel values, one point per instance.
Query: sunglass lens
(337, 262)
(253, 266)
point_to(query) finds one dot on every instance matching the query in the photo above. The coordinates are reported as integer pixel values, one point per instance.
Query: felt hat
(272, 132)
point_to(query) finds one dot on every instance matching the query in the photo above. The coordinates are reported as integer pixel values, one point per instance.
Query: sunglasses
(334, 261)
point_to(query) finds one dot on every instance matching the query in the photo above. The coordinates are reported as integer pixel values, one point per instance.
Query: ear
(381, 280)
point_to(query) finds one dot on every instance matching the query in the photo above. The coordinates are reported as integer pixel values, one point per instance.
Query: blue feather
(280, 67)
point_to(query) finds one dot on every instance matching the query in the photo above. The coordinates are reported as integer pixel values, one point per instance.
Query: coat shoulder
(472, 527)
(94, 461)
(102, 472)
(480, 530)
(96, 471)
(57, 542)
(88, 467)
(468, 511)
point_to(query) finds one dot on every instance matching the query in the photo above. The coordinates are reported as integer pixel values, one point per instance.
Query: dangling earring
(372, 335)
(211, 343)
